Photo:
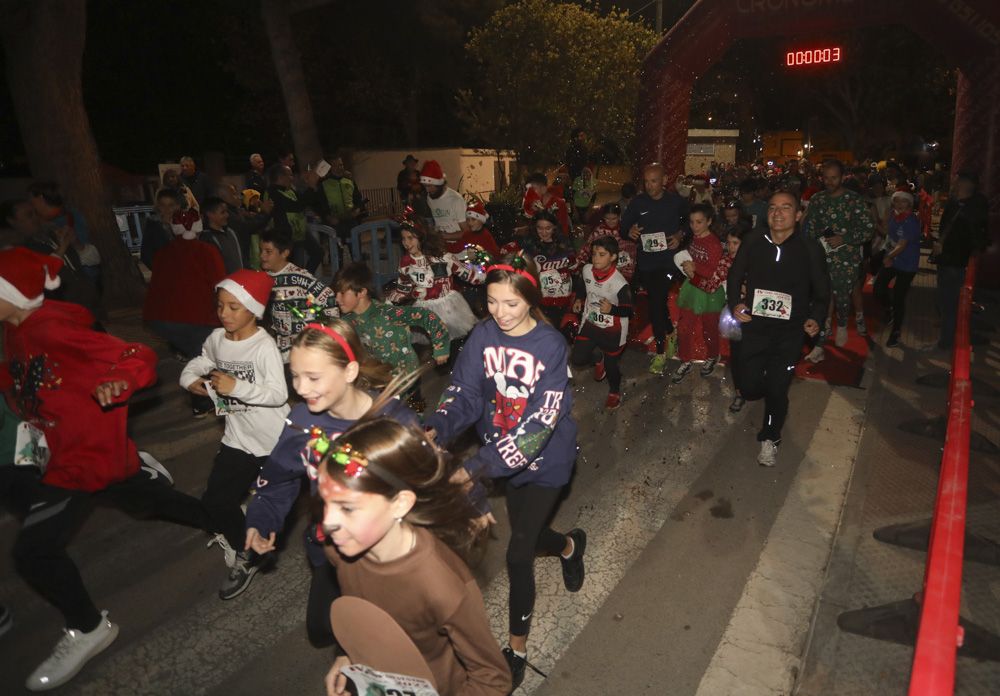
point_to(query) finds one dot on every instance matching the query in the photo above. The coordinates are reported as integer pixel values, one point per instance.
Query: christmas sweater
(384, 330)
(706, 253)
(429, 277)
(296, 299)
(554, 204)
(54, 363)
(516, 391)
(256, 407)
(557, 265)
(280, 479)
(626, 249)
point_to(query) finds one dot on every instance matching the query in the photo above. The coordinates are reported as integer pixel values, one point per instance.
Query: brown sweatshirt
(434, 598)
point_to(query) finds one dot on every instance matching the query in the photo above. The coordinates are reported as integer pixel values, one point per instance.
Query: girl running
(702, 296)
(427, 274)
(512, 382)
(336, 379)
(610, 226)
(396, 526)
(734, 237)
(607, 307)
(557, 265)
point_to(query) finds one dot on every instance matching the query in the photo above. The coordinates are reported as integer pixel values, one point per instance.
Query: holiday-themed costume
(516, 391)
(384, 330)
(557, 274)
(431, 282)
(702, 297)
(278, 487)
(847, 216)
(551, 202)
(626, 248)
(434, 598)
(603, 334)
(297, 298)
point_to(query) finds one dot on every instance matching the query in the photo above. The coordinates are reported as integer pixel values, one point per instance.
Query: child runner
(397, 525)
(512, 382)
(610, 226)
(901, 262)
(557, 264)
(297, 297)
(702, 296)
(427, 274)
(336, 379)
(243, 365)
(478, 233)
(385, 329)
(71, 384)
(607, 307)
(734, 237)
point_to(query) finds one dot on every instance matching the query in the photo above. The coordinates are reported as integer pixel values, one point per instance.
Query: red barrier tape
(940, 635)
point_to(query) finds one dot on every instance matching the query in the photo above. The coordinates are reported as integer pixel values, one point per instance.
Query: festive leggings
(690, 325)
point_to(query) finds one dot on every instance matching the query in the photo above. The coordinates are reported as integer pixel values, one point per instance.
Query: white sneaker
(153, 468)
(816, 355)
(228, 552)
(72, 652)
(841, 336)
(768, 453)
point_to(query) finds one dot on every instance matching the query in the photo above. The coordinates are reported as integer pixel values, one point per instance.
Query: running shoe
(737, 404)
(71, 653)
(516, 663)
(768, 453)
(599, 371)
(572, 567)
(709, 366)
(816, 355)
(658, 364)
(613, 402)
(893, 340)
(239, 578)
(681, 372)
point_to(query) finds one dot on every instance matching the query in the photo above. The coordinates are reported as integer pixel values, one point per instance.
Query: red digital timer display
(814, 56)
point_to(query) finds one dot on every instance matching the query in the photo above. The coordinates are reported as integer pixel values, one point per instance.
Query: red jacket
(54, 363)
(182, 288)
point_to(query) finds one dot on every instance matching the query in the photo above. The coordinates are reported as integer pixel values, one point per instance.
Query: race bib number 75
(772, 304)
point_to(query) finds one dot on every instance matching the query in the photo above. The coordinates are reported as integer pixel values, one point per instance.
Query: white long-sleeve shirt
(257, 405)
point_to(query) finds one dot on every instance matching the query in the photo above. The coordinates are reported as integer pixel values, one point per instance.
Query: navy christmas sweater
(516, 391)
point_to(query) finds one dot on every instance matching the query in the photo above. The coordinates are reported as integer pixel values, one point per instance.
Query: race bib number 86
(771, 304)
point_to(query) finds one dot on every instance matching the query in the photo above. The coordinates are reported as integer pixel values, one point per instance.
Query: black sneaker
(199, 413)
(572, 567)
(737, 404)
(516, 663)
(6, 619)
(708, 366)
(893, 340)
(239, 578)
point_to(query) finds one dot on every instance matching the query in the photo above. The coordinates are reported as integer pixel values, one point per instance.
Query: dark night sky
(162, 80)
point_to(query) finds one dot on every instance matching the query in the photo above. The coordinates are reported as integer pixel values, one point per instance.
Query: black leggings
(766, 366)
(233, 472)
(323, 590)
(529, 509)
(588, 352)
(657, 283)
(895, 298)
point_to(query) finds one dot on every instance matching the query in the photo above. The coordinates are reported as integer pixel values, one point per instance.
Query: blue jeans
(949, 289)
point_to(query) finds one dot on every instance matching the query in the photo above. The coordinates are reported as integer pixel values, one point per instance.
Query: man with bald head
(657, 219)
(779, 290)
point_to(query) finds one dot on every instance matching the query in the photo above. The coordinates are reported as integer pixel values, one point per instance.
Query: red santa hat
(477, 211)
(431, 173)
(186, 223)
(251, 288)
(25, 275)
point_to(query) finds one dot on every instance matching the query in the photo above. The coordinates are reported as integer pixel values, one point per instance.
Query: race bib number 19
(771, 304)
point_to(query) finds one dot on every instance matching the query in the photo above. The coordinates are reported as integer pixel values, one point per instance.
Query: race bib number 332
(772, 304)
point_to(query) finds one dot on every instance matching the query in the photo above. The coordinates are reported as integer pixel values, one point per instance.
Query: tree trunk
(288, 65)
(43, 41)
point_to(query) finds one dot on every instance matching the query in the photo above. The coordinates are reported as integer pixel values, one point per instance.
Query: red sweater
(706, 252)
(54, 363)
(182, 288)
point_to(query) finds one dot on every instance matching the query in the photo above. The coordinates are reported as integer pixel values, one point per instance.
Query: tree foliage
(544, 68)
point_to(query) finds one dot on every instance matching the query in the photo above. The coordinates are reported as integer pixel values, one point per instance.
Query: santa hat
(477, 211)
(186, 223)
(25, 275)
(905, 195)
(251, 288)
(431, 173)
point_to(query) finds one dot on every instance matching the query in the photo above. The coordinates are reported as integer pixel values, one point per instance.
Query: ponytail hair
(372, 375)
(529, 289)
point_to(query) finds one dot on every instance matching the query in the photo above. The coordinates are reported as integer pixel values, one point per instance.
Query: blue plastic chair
(319, 232)
(377, 244)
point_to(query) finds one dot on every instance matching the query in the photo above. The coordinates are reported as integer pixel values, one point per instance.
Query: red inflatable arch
(967, 31)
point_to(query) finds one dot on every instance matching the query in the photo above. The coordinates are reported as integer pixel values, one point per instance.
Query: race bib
(604, 321)
(771, 304)
(654, 241)
(422, 277)
(30, 447)
(552, 283)
(370, 681)
(624, 259)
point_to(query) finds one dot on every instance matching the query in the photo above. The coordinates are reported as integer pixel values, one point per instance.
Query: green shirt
(384, 330)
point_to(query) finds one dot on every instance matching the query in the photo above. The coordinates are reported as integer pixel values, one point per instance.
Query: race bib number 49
(771, 304)
(654, 241)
